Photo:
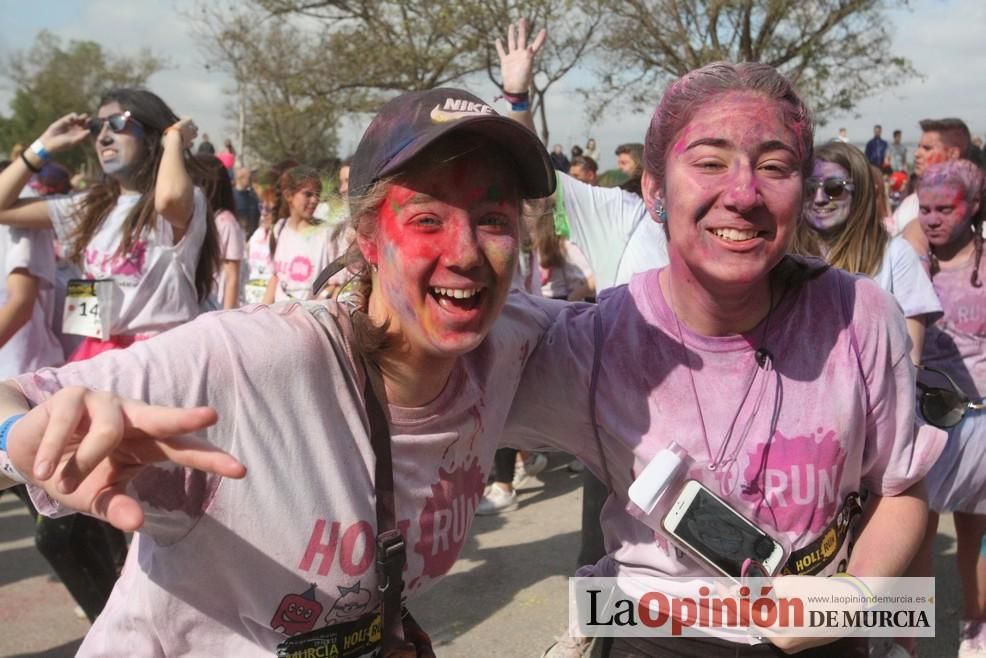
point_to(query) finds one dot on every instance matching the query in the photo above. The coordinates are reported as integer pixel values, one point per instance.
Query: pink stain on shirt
(786, 474)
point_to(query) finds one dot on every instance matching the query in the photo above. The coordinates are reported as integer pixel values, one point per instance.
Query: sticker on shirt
(355, 639)
(813, 558)
(254, 291)
(88, 308)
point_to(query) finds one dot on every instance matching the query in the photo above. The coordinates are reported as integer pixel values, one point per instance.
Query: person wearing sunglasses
(143, 229)
(952, 382)
(843, 226)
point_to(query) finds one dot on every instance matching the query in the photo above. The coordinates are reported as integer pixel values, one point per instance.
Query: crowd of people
(397, 339)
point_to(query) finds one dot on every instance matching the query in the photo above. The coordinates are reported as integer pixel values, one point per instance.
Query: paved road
(506, 595)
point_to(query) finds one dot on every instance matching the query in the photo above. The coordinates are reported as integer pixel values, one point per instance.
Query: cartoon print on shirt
(783, 478)
(297, 613)
(352, 602)
(446, 517)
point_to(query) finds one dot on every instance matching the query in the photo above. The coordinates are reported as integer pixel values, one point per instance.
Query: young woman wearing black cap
(230, 567)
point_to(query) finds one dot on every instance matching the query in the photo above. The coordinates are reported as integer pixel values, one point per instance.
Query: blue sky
(943, 38)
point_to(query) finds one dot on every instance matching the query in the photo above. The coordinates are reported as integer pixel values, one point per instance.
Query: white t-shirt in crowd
(218, 562)
(155, 282)
(300, 256)
(35, 345)
(613, 230)
(232, 246)
(906, 212)
(258, 255)
(903, 276)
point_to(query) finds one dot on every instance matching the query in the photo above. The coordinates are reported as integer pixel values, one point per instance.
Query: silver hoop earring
(373, 266)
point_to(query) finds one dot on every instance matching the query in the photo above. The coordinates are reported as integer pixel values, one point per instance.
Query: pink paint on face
(733, 188)
(931, 150)
(446, 249)
(821, 212)
(944, 213)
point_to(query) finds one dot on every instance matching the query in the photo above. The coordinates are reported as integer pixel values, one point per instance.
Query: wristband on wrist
(517, 99)
(40, 150)
(520, 107)
(173, 128)
(28, 164)
(5, 430)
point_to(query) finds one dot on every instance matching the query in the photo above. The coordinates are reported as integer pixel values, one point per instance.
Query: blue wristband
(521, 106)
(40, 150)
(5, 430)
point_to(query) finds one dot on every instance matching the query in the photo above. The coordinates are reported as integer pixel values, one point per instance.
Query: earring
(373, 266)
(660, 211)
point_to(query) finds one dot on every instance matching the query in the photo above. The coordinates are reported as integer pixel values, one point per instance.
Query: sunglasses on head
(833, 188)
(943, 407)
(117, 123)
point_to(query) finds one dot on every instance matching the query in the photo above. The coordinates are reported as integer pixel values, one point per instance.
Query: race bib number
(254, 291)
(88, 308)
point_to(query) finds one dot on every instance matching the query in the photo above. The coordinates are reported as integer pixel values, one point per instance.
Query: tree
(275, 73)
(52, 79)
(836, 51)
(352, 55)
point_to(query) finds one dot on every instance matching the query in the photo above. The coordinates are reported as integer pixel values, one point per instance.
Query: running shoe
(566, 646)
(525, 472)
(495, 500)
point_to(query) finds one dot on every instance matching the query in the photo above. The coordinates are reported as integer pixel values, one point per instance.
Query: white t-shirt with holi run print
(300, 256)
(842, 422)
(155, 282)
(613, 230)
(232, 246)
(34, 346)
(219, 563)
(903, 276)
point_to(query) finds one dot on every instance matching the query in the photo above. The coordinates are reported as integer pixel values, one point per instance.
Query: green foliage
(52, 79)
(836, 51)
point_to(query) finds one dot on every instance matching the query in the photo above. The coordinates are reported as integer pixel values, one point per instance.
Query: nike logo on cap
(456, 109)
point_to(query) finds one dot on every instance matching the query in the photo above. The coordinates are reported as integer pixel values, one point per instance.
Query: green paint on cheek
(395, 207)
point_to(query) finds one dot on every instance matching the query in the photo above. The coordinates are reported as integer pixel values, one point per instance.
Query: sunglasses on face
(943, 407)
(117, 123)
(833, 188)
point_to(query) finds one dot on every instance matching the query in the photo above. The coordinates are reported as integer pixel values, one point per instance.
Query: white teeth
(734, 235)
(456, 293)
